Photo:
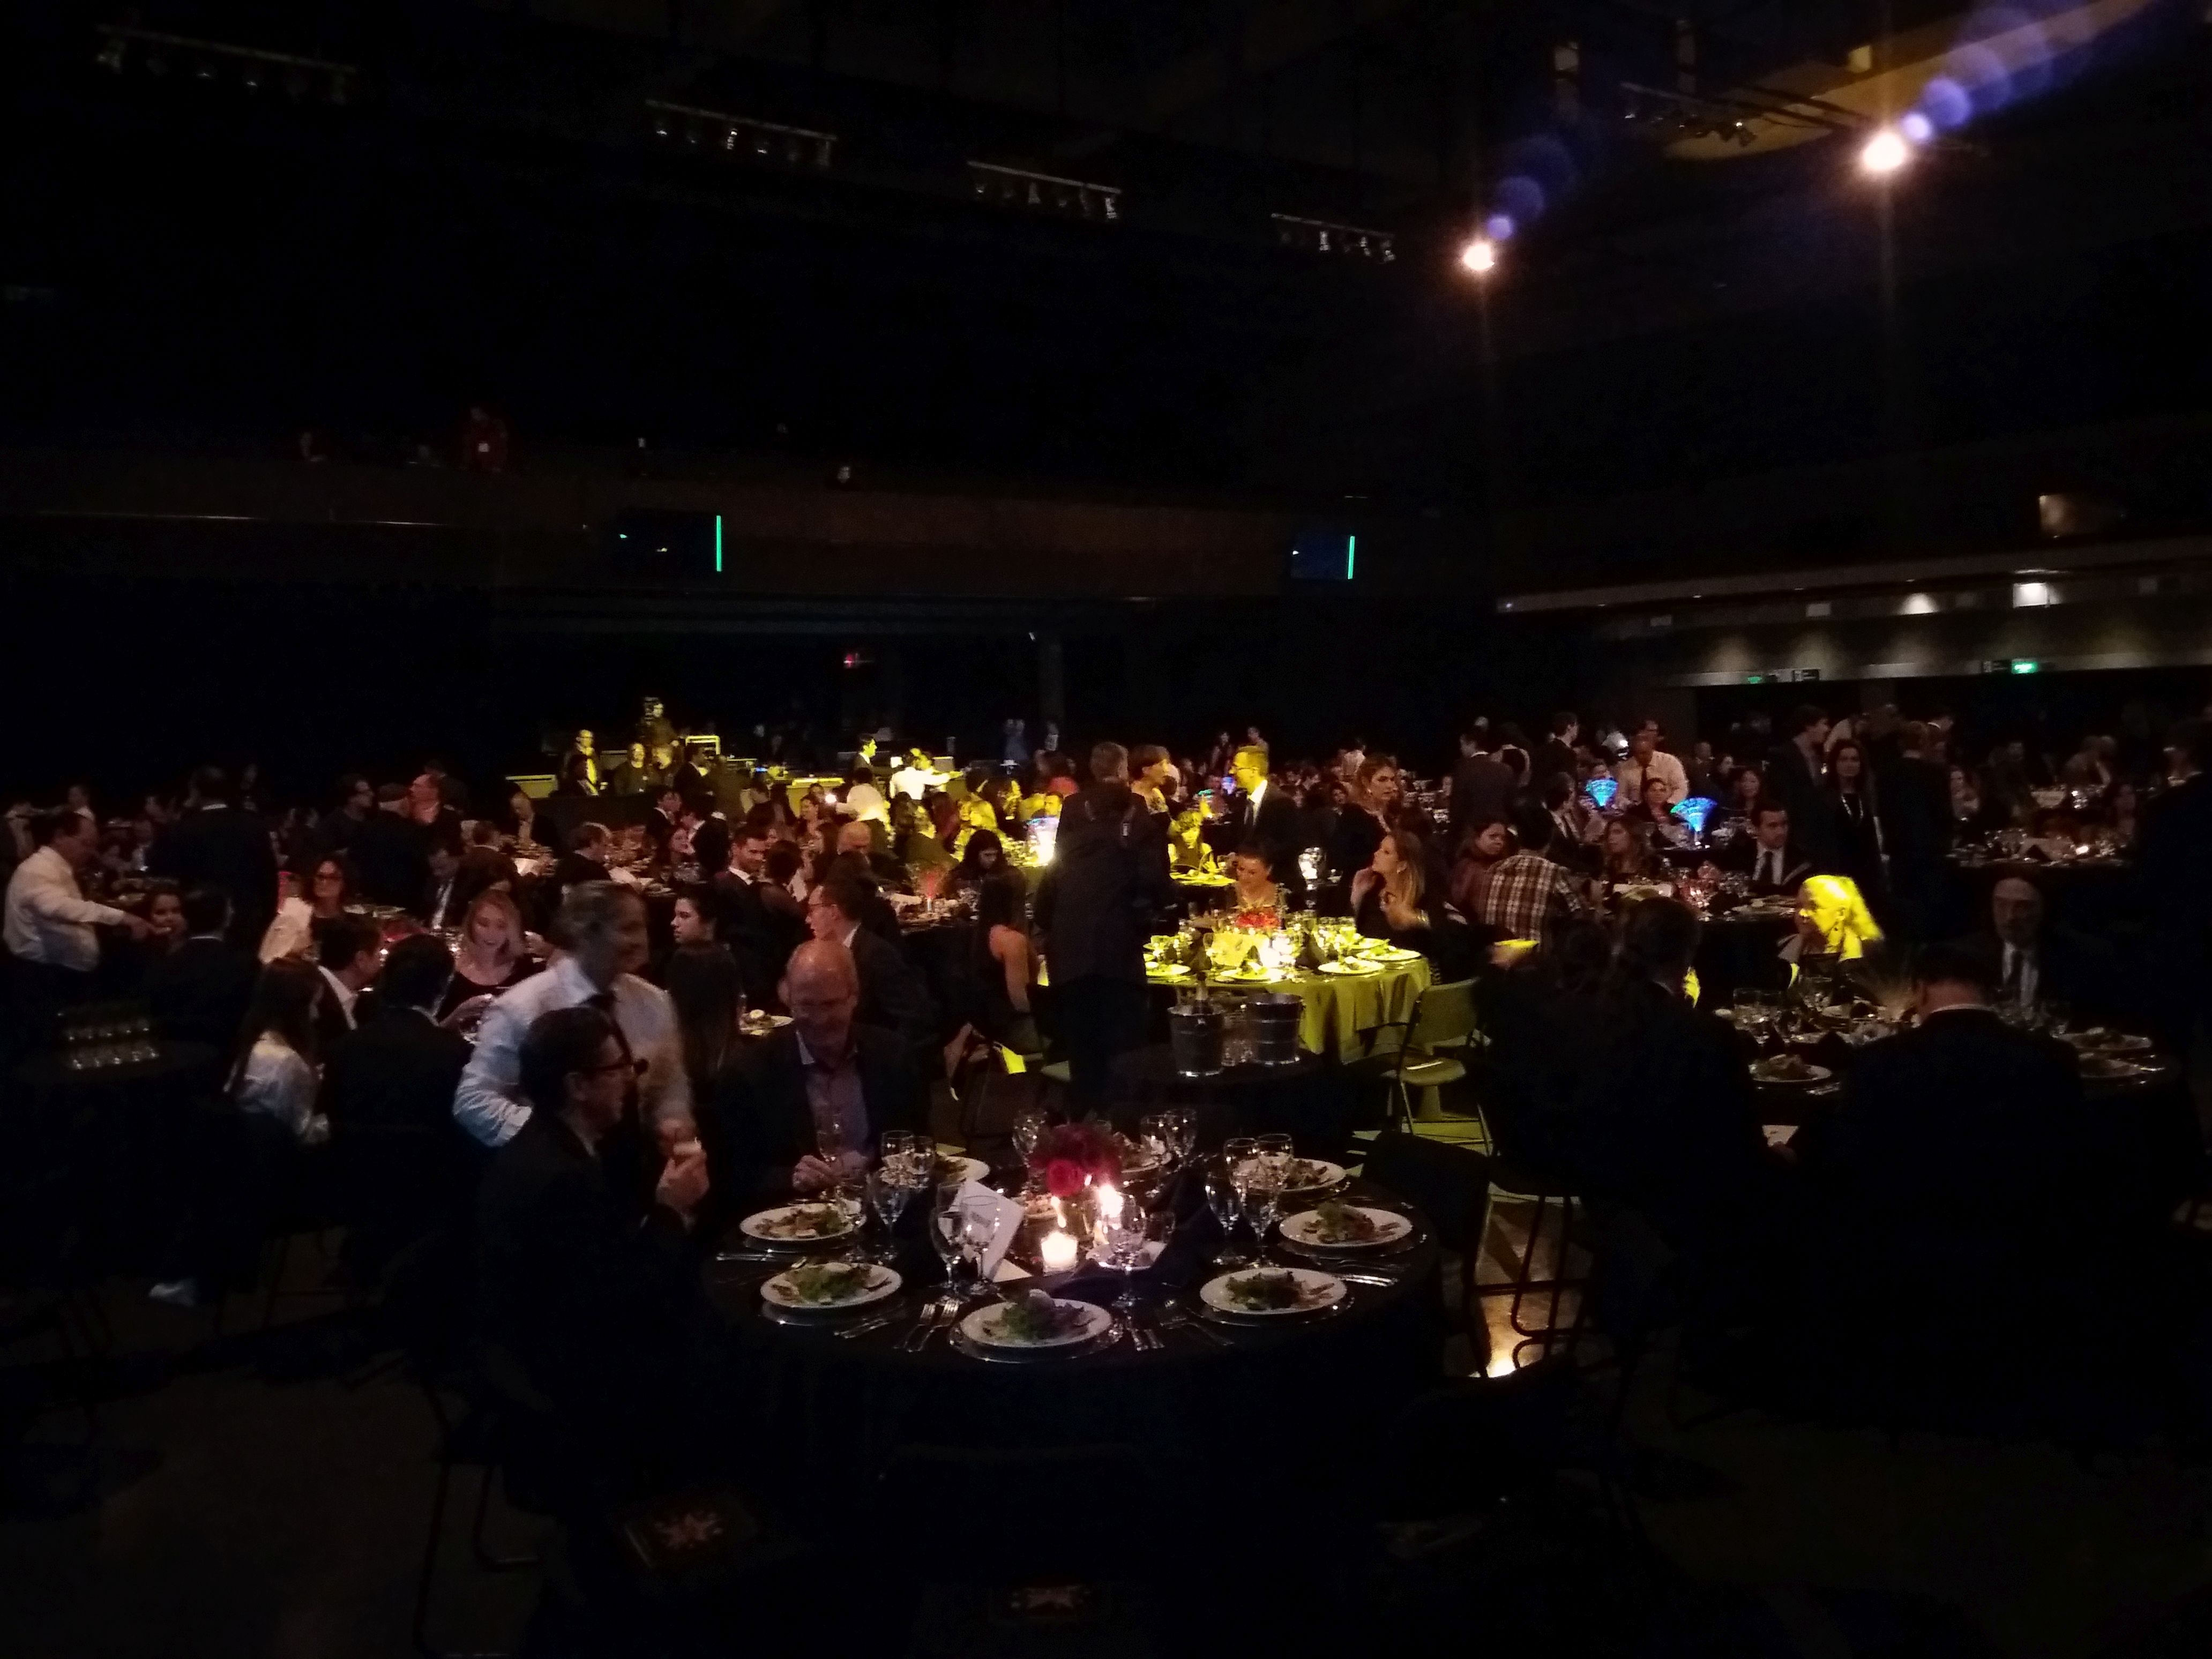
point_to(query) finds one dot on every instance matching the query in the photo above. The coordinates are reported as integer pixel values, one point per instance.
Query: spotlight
(1479, 255)
(1884, 153)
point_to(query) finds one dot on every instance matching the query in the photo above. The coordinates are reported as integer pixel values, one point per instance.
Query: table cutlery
(1178, 1318)
(874, 1324)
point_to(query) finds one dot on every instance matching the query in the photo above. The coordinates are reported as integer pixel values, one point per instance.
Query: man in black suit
(198, 992)
(586, 859)
(2029, 961)
(1481, 784)
(390, 851)
(442, 900)
(892, 996)
(1952, 1182)
(824, 1069)
(1915, 802)
(2173, 852)
(222, 845)
(1556, 754)
(1768, 856)
(388, 1091)
(1266, 817)
(1794, 773)
(1108, 878)
(761, 940)
(582, 1286)
(357, 800)
(348, 952)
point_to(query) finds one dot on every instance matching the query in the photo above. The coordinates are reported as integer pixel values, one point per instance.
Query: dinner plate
(1393, 953)
(1353, 968)
(1304, 1229)
(1812, 1074)
(961, 1169)
(758, 1225)
(1322, 1291)
(1323, 1175)
(2105, 1067)
(981, 1326)
(762, 1024)
(2098, 1041)
(881, 1282)
(1173, 970)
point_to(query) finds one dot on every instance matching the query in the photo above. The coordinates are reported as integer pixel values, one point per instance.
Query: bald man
(824, 1085)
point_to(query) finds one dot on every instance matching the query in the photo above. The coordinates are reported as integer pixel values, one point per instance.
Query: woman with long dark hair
(275, 1073)
(1006, 963)
(1855, 811)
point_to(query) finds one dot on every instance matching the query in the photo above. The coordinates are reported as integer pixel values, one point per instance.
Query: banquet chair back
(1431, 1055)
(1451, 1185)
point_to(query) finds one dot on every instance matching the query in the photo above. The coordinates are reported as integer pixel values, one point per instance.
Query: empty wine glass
(1263, 1192)
(1226, 1199)
(1156, 1134)
(888, 1195)
(1121, 1229)
(1029, 1124)
(947, 1236)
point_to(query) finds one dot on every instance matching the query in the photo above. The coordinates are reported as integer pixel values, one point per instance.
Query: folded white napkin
(978, 1200)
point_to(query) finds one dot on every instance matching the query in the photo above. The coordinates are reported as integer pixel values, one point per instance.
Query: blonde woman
(491, 957)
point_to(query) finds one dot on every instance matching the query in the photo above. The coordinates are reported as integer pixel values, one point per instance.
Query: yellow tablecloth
(1340, 1007)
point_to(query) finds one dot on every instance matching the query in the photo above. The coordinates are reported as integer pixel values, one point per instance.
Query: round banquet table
(2149, 1118)
(1736, 951)
(1295, 1098)
(823, 1412)
(1342, 1011)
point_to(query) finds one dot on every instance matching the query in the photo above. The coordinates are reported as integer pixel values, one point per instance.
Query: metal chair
(1429, 1055)
(1451, 1185)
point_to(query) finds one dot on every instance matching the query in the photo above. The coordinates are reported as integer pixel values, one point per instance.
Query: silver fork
(932, 1317)
(1174, 1318)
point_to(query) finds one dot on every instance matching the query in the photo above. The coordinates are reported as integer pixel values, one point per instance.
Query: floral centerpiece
(1074, 1156)
(1268, 921)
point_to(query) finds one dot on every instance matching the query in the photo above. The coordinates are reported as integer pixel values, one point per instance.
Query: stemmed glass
(1183, 1131)
(1030, 1124)
(948, 1237)
(1155, 1132)
(1121, 1229)
(1226, 1199)
(1263, 1192)
(888, 1195)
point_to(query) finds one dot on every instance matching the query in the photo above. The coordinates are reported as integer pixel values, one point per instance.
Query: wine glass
(948, 1226)
(1226, 1199)
(1121, 1229)
(1275, 1157)
(1030, 1124)
(888, 1195)
(1263, 1194)
(1184, 1127)
(1156, 1134)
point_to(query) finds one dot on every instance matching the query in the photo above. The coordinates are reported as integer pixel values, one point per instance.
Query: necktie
(604, 1002)
(2016, 966)
(1769, 867)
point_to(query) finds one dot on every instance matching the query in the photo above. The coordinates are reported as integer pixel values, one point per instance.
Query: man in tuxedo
(1768, 855)
(586, 859)
(761, 940)
(583, 1281)
(1481, 784)
(198, 992)
(2030, 962)
(893, 995)
(1794, 772)
(388, 1091)
(2173, 850)
(1268, 817)
(348, 953)
(222, 844)
(441, 905)
(390, 851)
(1957, 1166)
(1556, 754)
(824, 1070)
(1095, 907)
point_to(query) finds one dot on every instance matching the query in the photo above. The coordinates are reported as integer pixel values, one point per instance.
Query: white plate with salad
(1273, 1292)
(1346, 1227)
(799, 1223)
(1034, 1319)
(830, 1286)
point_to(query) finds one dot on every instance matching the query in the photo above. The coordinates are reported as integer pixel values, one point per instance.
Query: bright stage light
(1479, 255)
(1884, 153)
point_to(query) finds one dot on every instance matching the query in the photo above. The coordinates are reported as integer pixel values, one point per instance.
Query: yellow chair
(1436, 1035)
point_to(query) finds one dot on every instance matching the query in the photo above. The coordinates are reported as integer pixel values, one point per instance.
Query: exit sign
(2012, 666)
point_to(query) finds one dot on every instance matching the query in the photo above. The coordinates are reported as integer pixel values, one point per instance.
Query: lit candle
(1110, 1203)
(1058, 1250)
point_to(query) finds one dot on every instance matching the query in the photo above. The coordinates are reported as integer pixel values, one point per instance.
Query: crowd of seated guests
(600, 1101)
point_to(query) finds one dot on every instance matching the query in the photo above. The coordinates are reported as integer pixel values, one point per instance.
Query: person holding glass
(824, 1081)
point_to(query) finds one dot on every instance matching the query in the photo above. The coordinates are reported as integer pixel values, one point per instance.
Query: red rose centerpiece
(1074, 1156)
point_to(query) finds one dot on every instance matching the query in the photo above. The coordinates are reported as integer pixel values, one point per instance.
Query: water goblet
(1263, 1194)
(1157, 1133)
(888, 1195)
(1029, 1124)
(1226, 1200)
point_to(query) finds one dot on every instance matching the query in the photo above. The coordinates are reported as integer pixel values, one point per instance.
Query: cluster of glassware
(98, 1039)
(1245, 1183)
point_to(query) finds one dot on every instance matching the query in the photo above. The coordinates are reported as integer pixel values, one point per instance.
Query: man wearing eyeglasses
(584, 1281)
(602, 931)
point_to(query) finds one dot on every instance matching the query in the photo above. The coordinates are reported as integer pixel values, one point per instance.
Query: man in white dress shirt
(604, 926)
(1645, 755)
(49, 922)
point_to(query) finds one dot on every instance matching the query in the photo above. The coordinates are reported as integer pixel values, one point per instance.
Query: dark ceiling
(491, 213)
